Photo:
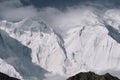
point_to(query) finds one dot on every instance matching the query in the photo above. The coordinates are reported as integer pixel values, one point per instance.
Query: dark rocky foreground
(92, 76)
(6, 77)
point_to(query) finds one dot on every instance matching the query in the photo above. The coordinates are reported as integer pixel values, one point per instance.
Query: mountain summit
(32, 49)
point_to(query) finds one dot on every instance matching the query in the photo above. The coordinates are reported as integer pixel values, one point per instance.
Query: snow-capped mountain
(32, 45)
(32, 49)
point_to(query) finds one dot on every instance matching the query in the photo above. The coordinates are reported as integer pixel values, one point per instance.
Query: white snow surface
(9, 70)
(39, 50)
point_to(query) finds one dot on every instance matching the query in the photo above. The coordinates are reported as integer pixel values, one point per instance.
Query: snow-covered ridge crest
(91, 46)
(46, 45)
(95, 48)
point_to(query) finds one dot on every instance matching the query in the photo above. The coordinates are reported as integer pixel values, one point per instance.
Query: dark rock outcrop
(6, 77)
(92, 76)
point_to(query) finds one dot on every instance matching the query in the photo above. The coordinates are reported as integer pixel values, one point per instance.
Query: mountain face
(28, 46)
(33, 50)
(92, 76)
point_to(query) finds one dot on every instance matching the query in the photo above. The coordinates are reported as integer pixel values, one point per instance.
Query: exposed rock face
(92, 76)
(6, 77)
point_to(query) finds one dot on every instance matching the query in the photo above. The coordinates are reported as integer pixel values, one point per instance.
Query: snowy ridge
(45, 44)
(91, 46)
(9, 70)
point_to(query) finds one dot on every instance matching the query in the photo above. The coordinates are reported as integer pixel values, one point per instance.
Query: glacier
(32, 50)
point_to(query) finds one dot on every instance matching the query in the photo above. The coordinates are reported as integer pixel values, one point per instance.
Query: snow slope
(95, 47)
(18, 56)
(34, 49)
(9, 70)
(40, 48)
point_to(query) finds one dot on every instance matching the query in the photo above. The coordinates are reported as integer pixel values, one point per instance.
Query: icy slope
(46, 47)
(18, 56)
(95, 47)
(91, 46)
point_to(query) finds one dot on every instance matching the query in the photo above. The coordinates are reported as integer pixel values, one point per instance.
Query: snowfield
(31, 50)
